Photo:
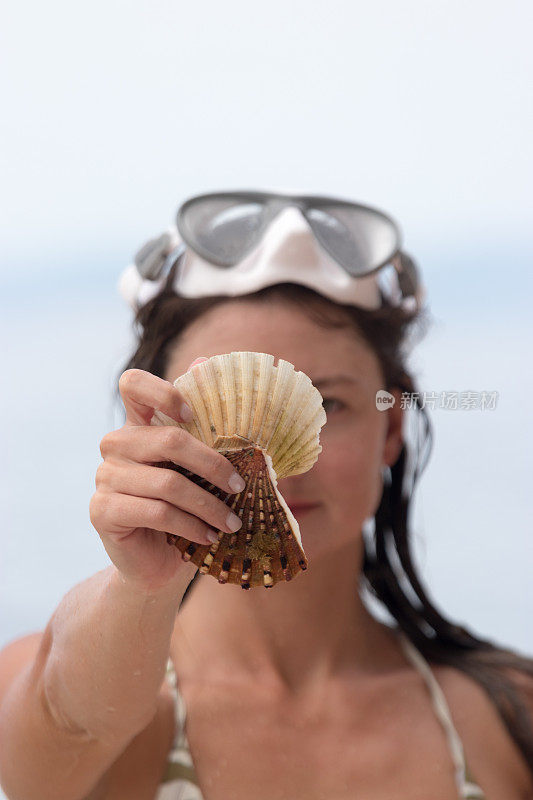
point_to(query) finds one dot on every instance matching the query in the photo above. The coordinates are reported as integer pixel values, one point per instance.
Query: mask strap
(151, 258)
(408, 276)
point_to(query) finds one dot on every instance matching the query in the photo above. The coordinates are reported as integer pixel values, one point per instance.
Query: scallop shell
(266, 420)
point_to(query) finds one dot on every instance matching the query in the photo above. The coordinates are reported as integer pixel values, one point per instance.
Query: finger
(142, 393)
(154, 444)
(124, 512)
(198, 361)
(159, 483)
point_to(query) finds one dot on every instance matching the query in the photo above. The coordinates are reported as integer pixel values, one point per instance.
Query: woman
(298, 692)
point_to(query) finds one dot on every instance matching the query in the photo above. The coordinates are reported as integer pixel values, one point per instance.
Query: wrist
(139, 591)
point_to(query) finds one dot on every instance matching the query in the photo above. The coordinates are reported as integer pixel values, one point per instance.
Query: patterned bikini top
(179, 781)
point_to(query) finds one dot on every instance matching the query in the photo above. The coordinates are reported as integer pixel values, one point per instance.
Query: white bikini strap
(179, 702)
(441, 708)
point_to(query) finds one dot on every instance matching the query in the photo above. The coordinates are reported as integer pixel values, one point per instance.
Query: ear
(394, 438)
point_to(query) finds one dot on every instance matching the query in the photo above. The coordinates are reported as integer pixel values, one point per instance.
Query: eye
(333, 400)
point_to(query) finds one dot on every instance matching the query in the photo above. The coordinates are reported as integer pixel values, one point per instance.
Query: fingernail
(198, 360)
(212, 537)
(185, 412)
(233, 522)
(236, 482)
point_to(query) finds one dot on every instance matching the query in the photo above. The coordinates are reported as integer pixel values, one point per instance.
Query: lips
(294, 507)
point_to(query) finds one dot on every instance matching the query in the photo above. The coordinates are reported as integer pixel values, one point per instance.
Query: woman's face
(357, 439)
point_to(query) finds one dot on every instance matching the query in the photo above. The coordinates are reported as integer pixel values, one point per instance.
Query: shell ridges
(266, 420)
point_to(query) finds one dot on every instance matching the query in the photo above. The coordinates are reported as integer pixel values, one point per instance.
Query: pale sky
(115, 111)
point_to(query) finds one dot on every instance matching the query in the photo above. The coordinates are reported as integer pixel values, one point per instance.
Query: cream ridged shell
(243, 393)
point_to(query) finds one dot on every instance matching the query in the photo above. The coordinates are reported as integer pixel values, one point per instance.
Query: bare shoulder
(490, 750)
(15, 655)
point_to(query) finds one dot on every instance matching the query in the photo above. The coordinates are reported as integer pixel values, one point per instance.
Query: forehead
(281, 329)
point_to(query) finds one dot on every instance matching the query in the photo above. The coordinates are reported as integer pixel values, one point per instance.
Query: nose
(290, 240)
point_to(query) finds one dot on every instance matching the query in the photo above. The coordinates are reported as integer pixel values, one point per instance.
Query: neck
(300, 633)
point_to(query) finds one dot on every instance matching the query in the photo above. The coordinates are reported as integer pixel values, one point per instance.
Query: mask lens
(222, 230)
(360, 239)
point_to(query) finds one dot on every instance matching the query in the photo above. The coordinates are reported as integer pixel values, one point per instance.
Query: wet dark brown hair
(388, 572)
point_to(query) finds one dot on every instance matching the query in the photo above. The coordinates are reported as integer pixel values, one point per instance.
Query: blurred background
(115, 112)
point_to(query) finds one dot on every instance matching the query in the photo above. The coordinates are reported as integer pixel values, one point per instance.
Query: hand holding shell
(266, 420)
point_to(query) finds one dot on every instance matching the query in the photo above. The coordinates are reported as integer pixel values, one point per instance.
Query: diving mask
(236, 242)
